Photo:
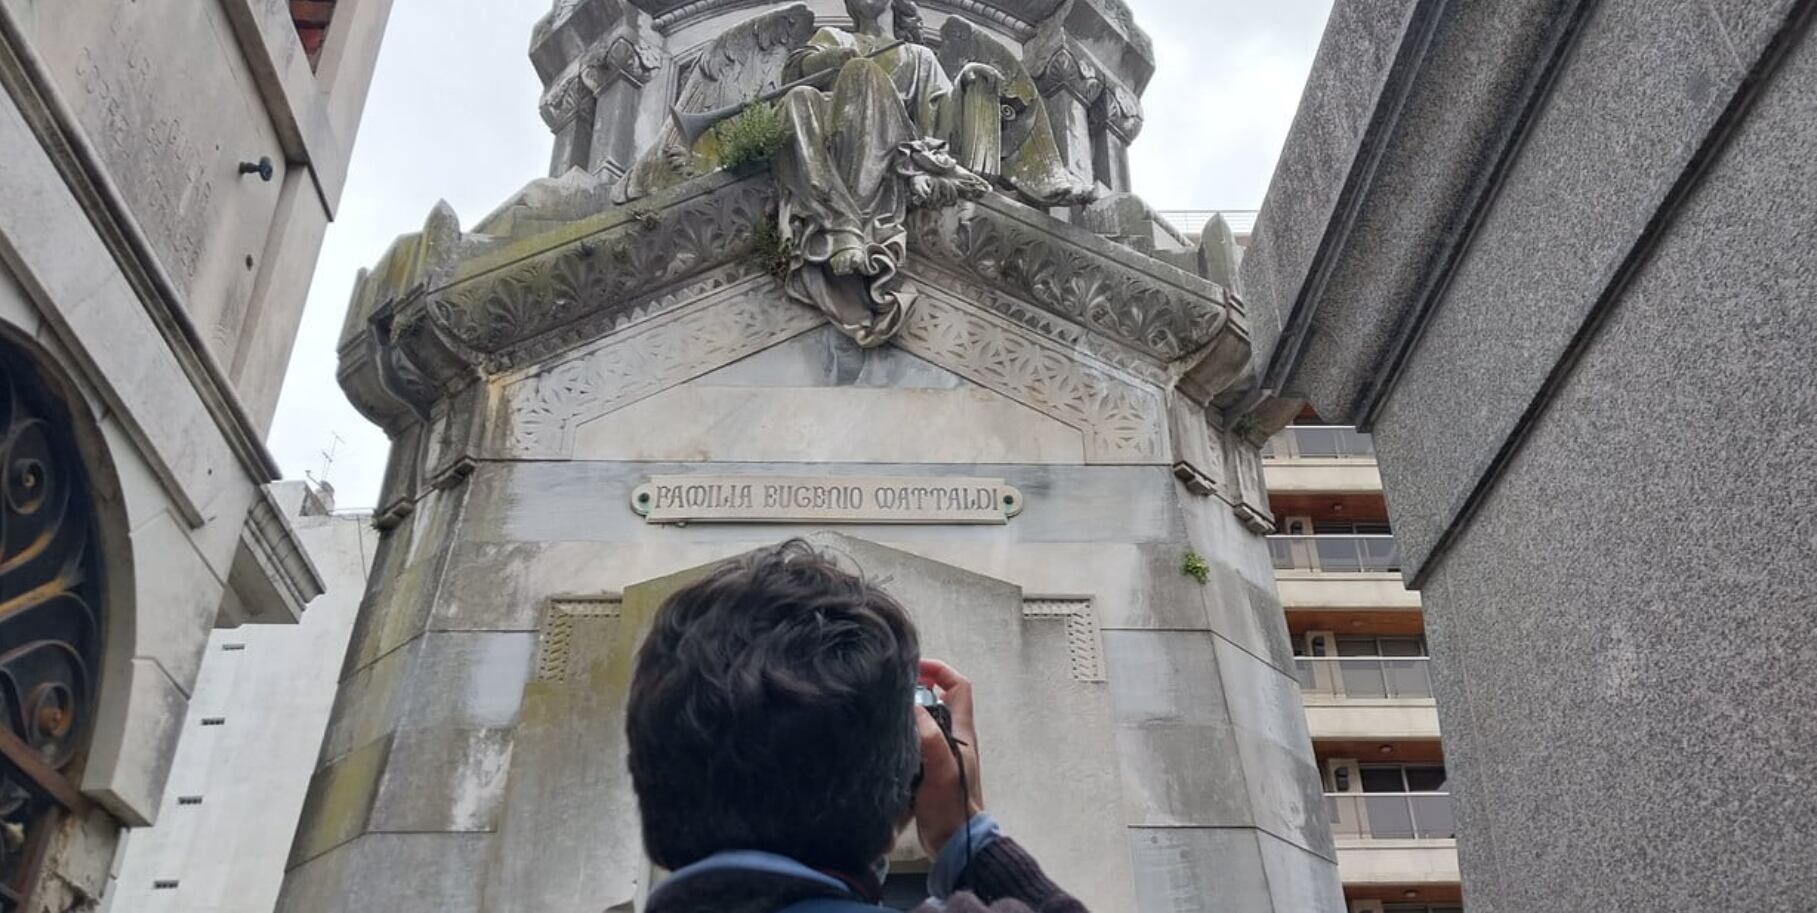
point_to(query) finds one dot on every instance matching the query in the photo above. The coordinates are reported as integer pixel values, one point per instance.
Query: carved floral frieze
(603, 278)
(1114, 293)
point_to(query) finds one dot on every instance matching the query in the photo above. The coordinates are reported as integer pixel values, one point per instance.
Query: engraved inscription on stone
(825, 499)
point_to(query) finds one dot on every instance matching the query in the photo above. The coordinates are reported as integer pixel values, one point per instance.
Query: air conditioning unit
(1365, 906)
(1343, 775)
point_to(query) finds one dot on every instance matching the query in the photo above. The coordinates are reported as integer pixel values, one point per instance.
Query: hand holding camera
(951, 791)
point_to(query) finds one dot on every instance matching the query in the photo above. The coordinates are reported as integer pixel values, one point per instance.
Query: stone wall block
(1298, 879)
(339, 801)
(1200, 870)
(1276, 749)
(440, 872)
(129, 760)
(178, 598)
(400, 609)
(443, 780)
(1174, 736)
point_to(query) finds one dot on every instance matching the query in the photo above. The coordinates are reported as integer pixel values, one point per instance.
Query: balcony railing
(1383, 677)
(1319, 442)
(1391, 816)
(1335, 554)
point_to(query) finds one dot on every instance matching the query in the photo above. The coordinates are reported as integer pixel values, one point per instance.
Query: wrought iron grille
(50, 623)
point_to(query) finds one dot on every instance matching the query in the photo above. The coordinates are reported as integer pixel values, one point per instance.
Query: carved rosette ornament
(50, 622)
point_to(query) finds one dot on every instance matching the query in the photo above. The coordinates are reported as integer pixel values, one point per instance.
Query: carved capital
(624, 57)
(563, 100)
(1118, 110)
(1069, 70)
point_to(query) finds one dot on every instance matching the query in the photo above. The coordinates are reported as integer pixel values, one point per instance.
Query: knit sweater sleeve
(1004, 878)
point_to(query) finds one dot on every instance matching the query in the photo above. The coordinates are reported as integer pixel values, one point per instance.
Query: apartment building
(1360, 639)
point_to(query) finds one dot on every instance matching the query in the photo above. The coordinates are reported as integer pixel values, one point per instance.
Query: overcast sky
(452, 116)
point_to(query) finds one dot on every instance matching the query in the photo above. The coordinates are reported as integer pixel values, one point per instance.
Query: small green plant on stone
(772, 250)
(1194, 566)
(751, 137)
(646, 216)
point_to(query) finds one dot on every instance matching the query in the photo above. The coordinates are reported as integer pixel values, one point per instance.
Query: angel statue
(877, 124)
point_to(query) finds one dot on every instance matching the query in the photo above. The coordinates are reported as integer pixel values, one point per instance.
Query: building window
(164, 884)
(189, 800)
(214, 721)
(51, 616)
(1351, 528)
(1404, 778)
(232, 648)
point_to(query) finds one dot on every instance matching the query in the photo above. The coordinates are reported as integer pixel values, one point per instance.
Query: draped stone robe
(857, 157)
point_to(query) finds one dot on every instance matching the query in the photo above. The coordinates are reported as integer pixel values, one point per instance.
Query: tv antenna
(334, 445)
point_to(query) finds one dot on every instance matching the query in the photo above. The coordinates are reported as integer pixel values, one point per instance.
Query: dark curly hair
(771, 709)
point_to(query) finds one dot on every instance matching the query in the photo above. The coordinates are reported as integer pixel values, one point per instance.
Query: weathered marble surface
(535, 372)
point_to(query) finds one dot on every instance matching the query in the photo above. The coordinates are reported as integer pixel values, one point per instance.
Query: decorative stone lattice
(546, 408)
(1122, 418)
(1083, 644)
(555, 661)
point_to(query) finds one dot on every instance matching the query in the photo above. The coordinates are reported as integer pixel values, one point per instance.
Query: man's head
(771, 710)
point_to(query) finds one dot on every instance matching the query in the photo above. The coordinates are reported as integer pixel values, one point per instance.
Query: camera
(925, 697)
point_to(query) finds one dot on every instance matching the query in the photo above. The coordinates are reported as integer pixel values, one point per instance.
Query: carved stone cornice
(453, 309)
(589, 282)
(1139, 302)
(1015, 17)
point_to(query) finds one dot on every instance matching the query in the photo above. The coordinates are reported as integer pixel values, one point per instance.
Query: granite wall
(1590, 399)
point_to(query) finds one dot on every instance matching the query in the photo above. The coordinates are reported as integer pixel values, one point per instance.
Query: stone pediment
(483, 346)
(448, 308)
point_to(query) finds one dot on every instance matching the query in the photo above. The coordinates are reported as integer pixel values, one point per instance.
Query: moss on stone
(772, 250)
(750, 138)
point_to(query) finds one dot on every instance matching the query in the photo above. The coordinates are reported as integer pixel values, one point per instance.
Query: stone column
(1070, 84)
(1116, 118)
(617, 73)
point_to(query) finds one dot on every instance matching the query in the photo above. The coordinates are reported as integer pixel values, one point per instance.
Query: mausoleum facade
(1012, 415)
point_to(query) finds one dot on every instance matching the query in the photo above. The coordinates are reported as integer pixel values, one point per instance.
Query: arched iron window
(50, 622)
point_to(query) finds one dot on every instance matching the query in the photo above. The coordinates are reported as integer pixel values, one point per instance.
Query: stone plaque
(825, 499)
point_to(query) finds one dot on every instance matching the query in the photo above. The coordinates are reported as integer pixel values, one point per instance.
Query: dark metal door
(50, 623)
